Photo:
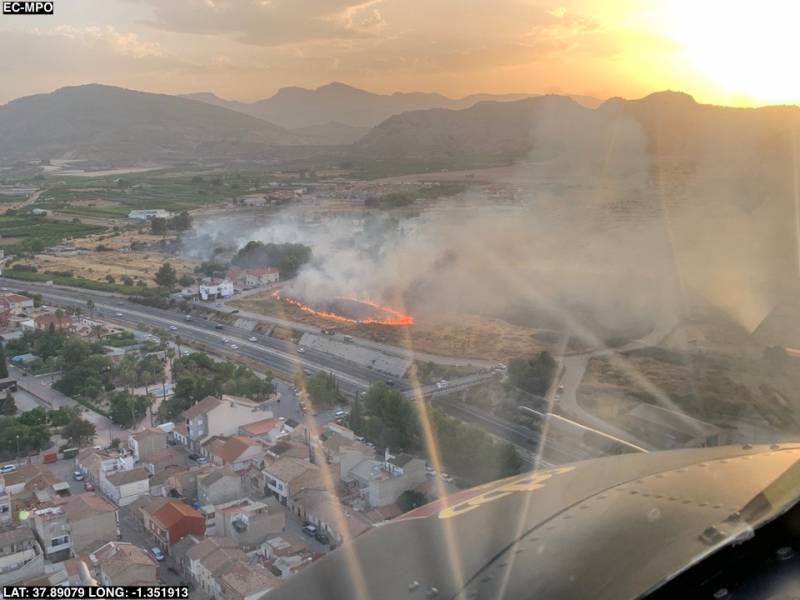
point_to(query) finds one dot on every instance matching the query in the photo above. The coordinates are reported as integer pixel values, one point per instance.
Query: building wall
(135, 574)
(150, 445)
(223, 490)
(387, 491)
(187, 526)
(54, 529)
(90, 533)
(260, 527)
(20, 566)
(226, 419)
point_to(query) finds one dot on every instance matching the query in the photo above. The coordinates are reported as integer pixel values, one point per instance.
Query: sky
(724, 52)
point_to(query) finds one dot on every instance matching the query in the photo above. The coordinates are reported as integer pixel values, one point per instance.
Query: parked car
(78, 475)
(88, 486)
(322, 537)
(340, 413)
(310, 529)
(201, 460)
(194, 457)
(235, 311)
(447, 478)
(157, 553)
(300, 350)
(8, 469)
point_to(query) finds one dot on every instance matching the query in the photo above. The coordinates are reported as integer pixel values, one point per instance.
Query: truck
(348, 339)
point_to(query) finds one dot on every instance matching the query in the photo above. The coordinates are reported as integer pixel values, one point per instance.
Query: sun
(741, 48)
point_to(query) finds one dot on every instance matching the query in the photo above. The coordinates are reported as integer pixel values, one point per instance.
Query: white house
(216, 416)
(149, 213)
(123, 487)
(215, 288)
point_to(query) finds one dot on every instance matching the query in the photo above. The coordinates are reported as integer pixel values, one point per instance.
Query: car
(310, 529)
(8, 469)
(281, 418)
(218, 326)
(234, 347)
(225, 340)
(5, 289)
(235, 312)
(187, 317)
(389, 382)
(560, 389)
(322, 538)
(157, 553)
(119, 314)
(441, 384)
(88, 486)
(78, 475)
(194, 456)
(201, 460)
(173, 328)
(300, 350)
(252, 338)
(340, 413)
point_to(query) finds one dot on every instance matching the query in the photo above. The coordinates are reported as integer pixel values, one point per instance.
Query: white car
(8, 469)
(157, 553)
(340, 413)
(234, 347)
(441, 384)
(446, 478)
(173, 328)
(252, 338)
(300, 350)
(117, 314)
(225, 340)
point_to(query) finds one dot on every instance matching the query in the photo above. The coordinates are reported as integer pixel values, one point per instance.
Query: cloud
(269, 23)
(106, 38)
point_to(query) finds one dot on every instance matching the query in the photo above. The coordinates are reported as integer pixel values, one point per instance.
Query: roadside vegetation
(389, 420)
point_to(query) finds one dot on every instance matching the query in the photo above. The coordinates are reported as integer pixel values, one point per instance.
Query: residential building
(247, 279)
(122, 563)
(221, 570)
(324, 510)
(212, 289)
(237, 452)
(5, 504)
(287, 476)
(243, 581)
(172, 521)
(123, 487)
(161, 482)
(51, 527)
(146, 442)
(217, 416)
(20, 555)
(16, 303)
(161, 459)
(248, 522)
(380, 483)
(268, 430)
(92, 520)
(58, 321)
(219, 486)
(93, 462)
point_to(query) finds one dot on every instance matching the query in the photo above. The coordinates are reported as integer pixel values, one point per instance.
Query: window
(59, 541)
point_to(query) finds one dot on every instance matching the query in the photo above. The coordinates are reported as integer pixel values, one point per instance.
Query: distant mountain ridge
(296, 107)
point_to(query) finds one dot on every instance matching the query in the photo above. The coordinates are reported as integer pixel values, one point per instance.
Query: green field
(33, 234)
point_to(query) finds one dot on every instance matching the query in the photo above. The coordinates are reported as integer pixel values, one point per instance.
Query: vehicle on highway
(234, 347)
(225, 340)
(310, 529)
(218, 326)
(119, 314)
(187, 317)
(442, 384)
(300, 350)
(8, 469)
(252, 338)
(447, 478)
(340, 413)
(88, 486)
(173, 328)
(78, 475)
(235, 311)
(348, 339)
(157, 553)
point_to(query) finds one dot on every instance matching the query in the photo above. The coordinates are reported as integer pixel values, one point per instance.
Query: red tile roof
(172, 512)
(261, 427)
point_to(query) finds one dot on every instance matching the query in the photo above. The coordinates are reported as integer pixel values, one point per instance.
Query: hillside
(115, 124)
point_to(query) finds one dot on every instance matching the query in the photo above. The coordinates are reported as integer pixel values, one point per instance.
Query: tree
(533, 375)
(323, 390)
(182, 221)
(186, 280)
(166, 277)
(127, 280)
(411, 499)
(356, 416)
(90, 307)
(8, 406)
(110, 278)
(158, 226)
(79, 431)
(3, 364)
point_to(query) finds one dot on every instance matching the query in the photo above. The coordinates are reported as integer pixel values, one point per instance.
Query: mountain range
(112, 124)
(344, 105)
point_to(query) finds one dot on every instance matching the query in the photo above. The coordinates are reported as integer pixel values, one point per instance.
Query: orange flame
(394, 317)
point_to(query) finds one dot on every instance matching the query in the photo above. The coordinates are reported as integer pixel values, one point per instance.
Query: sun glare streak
(329, 482)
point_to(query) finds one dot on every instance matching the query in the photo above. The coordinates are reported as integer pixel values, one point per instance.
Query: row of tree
(390, 420)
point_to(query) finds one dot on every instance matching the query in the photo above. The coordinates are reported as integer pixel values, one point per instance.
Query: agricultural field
(26, 233)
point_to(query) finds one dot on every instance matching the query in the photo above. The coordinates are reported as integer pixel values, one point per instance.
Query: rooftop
(233, 448)
(125, 477)
(289, 468)
(18, 535)
(85, 506)
(172, 511)
(149, 432)
(261, 427)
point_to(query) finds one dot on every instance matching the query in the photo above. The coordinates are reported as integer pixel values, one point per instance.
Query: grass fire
(351, 310)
